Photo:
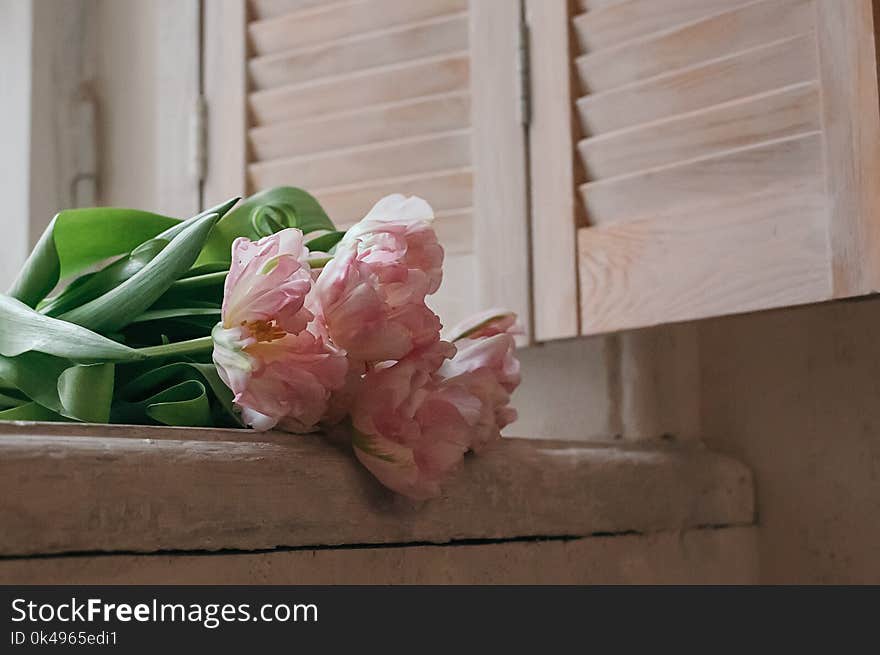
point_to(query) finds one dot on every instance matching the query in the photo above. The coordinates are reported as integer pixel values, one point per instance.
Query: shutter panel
(356, 99)
(724, 155)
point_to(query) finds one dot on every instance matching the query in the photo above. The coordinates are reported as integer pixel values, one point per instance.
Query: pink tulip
(415, 419)
(484, 324)
(406, 430)
(372, 294)
(267, 347)
(486, 366)
(268, 281)
(487, 369)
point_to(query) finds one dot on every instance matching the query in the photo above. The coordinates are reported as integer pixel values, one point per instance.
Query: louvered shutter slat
(357, 99)
(720, 155)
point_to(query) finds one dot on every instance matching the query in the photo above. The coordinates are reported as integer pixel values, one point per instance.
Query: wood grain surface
(701, 556)
(77, 488)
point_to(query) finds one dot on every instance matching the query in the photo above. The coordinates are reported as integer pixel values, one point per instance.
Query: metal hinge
(199, 139)
(525, 82)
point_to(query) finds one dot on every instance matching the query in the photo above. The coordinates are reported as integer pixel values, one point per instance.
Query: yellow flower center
(264, 330)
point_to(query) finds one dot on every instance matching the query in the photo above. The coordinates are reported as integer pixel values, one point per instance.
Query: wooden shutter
(721, 155)
(356, 99)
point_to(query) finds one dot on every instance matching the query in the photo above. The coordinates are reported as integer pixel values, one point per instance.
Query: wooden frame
(47, 91)
(501, 229)
(225, 91)
(179, 67)
(847, 43)
(552, 174)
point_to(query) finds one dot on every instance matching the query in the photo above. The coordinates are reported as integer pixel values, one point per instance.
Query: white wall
(632, 386)
(795, 394)
(564, 392)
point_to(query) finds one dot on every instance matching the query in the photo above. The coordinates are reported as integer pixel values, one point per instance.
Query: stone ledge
(700, 556)
(76, 488)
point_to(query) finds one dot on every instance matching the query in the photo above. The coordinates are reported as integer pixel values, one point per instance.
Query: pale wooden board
(362, 125)
(17, 50)
(591, 5)
(456, 299)
(49, 62)
(455, 230)
(552, 176)
(848, 64)
(622, 21)
(262, 9)
(760, 22)
(761, 69)
(178, 190)
(334, 20)
(363, 51)
(410, 79)
(749, 253)
(444, 190)
(783, 163)
(64, 488)
(501, 215)
(708, 556)
(225, 88)
(421, 154)
(779, 114)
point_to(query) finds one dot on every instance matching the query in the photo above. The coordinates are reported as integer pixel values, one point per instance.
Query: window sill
(86, 489)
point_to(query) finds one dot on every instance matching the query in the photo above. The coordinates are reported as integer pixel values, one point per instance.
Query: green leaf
(177, 349)
(90, 286)
(93, 285)
(114, 309)
(24, 330)
(220, 210)
(87, 236)
(193, 291)
(80, 392)
(86, 392)
(325, 242)
(177, 312)
(11, 399)
(261, 214)
(31, 412)
(180, 329)
(36, 376)
(196, 282)
(78, 238)
(180, 393)
(204, 269)
(184, 405)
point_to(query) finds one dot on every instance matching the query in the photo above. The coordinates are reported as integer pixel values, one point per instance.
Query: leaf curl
(264, 213)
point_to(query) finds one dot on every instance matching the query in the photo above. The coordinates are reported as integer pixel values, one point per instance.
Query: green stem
(319, 262)
(199, 281)
(191, 347)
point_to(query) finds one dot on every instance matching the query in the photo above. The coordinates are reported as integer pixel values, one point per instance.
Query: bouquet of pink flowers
(114, 318)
